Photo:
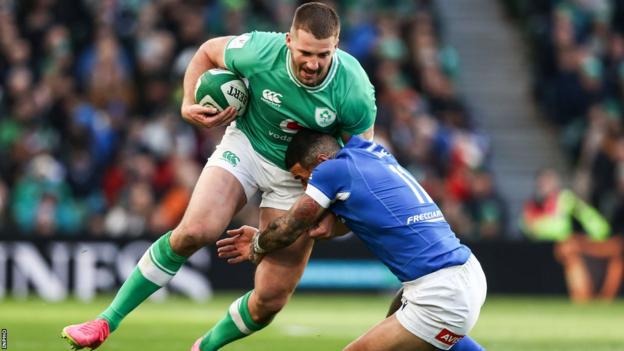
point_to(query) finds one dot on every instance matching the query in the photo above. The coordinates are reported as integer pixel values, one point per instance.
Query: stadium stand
(92, 144)
(577, 50)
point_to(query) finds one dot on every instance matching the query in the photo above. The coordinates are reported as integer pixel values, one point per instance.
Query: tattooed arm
(283, 231)
(247, 243)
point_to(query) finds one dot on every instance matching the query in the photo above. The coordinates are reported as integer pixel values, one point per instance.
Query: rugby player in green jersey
(296, 79)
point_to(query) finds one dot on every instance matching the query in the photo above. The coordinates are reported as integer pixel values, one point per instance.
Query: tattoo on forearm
(306, 210)
(285, 230)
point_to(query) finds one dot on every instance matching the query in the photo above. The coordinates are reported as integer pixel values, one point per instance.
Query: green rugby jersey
(279, 104)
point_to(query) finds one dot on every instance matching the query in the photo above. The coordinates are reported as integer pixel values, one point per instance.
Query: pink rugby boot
(90, 334)
(196, 344)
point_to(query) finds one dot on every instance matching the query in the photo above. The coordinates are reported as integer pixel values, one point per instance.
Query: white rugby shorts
(235, 154)
(443, 306)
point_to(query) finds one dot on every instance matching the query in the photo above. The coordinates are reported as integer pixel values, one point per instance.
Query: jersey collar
(330, 74)
(357, 142)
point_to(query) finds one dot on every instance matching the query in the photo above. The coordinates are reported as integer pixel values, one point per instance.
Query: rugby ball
(221, 88)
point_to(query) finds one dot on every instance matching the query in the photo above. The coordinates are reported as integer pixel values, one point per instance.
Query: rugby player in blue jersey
(444, 286)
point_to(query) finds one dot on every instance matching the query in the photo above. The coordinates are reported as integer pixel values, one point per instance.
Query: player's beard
(309, 77)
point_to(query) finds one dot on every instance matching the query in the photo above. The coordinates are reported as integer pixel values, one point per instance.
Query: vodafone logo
(448, 337)
(290, 126)
(272, 97)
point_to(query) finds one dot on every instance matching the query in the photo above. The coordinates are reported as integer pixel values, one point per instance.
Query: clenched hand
(208, 117)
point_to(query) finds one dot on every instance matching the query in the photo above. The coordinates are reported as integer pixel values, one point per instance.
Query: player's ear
(322, 158)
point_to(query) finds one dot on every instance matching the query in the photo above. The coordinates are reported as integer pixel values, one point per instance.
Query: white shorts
(443, 306)
(235, 154)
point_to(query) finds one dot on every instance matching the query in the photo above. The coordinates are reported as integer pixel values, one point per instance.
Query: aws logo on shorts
(231, 158)
(448, 337)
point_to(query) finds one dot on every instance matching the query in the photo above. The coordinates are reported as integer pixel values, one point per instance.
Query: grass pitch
(318, 322)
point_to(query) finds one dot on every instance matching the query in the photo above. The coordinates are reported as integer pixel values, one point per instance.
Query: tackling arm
(247, 243)
(283, 231)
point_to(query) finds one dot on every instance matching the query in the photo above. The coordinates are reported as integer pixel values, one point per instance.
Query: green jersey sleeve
(358, 110)
(252, 52)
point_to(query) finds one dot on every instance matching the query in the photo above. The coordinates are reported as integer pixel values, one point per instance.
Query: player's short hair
(306, 145)
(318, 19)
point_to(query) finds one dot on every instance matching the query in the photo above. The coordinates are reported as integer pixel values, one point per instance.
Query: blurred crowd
(578, 56)
(91, 141)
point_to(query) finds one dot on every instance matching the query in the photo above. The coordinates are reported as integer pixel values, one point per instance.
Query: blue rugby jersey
(387, 209)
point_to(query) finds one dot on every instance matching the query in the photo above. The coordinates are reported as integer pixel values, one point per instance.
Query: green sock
(155, 269)
(236, 324)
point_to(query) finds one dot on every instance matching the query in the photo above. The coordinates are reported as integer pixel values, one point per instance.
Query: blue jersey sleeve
(330, 181)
